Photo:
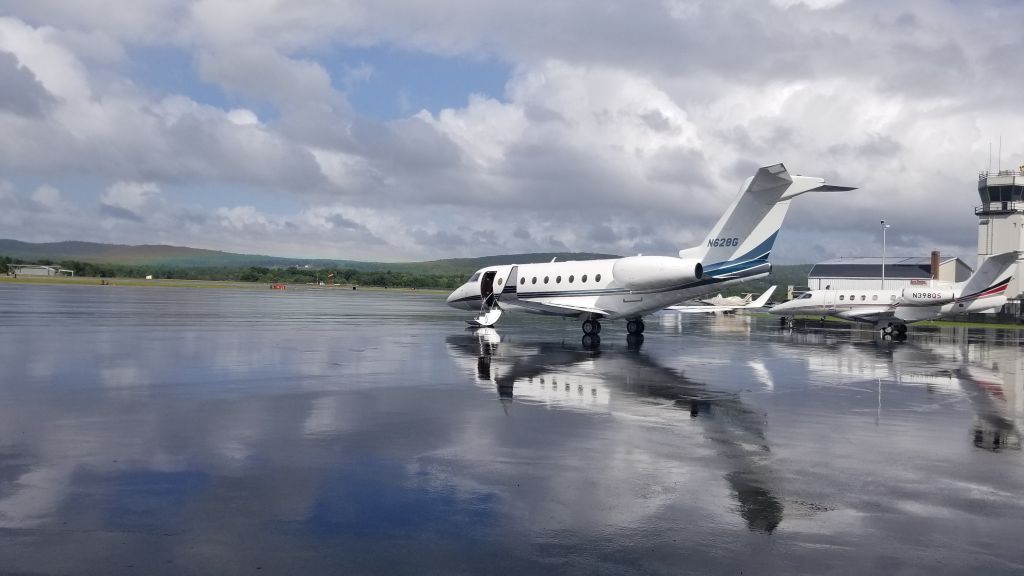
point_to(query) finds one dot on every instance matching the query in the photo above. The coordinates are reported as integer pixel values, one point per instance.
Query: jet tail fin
(991, 278)
(748, 228)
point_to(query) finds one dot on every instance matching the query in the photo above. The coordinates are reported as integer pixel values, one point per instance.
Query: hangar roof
(871, 267)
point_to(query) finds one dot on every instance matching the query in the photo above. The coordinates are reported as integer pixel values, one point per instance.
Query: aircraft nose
(454, 297)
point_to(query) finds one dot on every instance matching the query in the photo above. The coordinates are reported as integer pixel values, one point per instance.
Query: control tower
(1001, 220)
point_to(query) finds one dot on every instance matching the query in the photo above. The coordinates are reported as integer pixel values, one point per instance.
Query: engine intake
(647, 272)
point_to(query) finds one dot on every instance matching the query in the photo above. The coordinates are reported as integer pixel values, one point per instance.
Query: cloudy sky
(407, 130)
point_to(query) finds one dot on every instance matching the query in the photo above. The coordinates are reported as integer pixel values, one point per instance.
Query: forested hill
(164, 256)
(161, 261)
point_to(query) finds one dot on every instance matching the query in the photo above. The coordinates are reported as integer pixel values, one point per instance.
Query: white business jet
(736, 249)
(891, 310)
(745, 303)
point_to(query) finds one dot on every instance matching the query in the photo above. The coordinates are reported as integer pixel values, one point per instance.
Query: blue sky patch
(402, 83)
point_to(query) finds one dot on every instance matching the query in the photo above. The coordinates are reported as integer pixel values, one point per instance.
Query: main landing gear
(591, 329)
(635, 326)
(893, 331)
(634, 333)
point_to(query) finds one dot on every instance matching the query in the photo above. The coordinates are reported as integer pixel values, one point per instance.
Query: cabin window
(597, 278)
(852, 297)
(892, 298)
(874, 296)
(475, 277)
(806, 296)
(842, 297)
(522, 280)
(584, 278)
(545, 279)
(863, 297)
(499, 281)
(534, 281)
(571, 278)
(558, 280)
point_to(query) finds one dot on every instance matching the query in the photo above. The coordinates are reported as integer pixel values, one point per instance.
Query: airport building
(1001, 220)
(865, 273)
(37, 270)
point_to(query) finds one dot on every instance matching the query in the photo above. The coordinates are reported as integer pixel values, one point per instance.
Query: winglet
(762, 299)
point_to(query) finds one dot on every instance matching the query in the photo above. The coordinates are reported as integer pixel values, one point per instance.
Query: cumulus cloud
(48, 198)
(20, 91)
(130, 200)
(620, 128)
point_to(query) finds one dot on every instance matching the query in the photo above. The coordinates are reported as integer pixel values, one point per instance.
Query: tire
(901, 328)
(643, 326)
(590, 327)
(597, 327)
(633, 327)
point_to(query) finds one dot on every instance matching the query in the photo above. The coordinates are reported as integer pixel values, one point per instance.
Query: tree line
(294, 275)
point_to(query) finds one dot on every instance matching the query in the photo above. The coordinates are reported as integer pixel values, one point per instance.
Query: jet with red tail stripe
(891, 310)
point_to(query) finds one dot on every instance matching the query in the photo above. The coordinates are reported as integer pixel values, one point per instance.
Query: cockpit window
(806, 296)
(475, 277)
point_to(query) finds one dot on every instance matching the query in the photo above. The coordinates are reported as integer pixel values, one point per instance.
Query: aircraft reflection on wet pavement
(630, 383)
(989, 378)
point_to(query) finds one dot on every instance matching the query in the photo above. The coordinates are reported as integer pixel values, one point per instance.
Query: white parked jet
(892, 310)
(736, 249)
(745, 303)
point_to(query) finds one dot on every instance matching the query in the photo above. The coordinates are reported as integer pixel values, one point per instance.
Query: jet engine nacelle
(927, 296)
(646, 272)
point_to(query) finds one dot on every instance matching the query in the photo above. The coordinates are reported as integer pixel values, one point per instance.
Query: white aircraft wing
(762, 299)
(574, 307)
(698, 308)
(872, 314)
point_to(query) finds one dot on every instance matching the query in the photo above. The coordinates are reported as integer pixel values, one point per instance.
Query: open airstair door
(492, 283)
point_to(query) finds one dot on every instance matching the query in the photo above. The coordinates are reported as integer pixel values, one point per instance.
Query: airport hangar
(37, 270)
(1000, 229)
(865, 273)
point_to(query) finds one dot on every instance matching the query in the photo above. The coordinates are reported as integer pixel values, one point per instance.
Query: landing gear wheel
(590, 327)
(643, 326)
(598, 325)
(634, 327)
(633, 341)
(887, 331)
(591, 341)
(901, 329)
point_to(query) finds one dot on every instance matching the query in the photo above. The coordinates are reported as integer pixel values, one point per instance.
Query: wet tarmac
(192, 431)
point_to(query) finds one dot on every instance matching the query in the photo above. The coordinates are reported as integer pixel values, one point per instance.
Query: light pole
(884, 226)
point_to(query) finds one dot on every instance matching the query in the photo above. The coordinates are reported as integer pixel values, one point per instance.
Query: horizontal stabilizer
(748, 228)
